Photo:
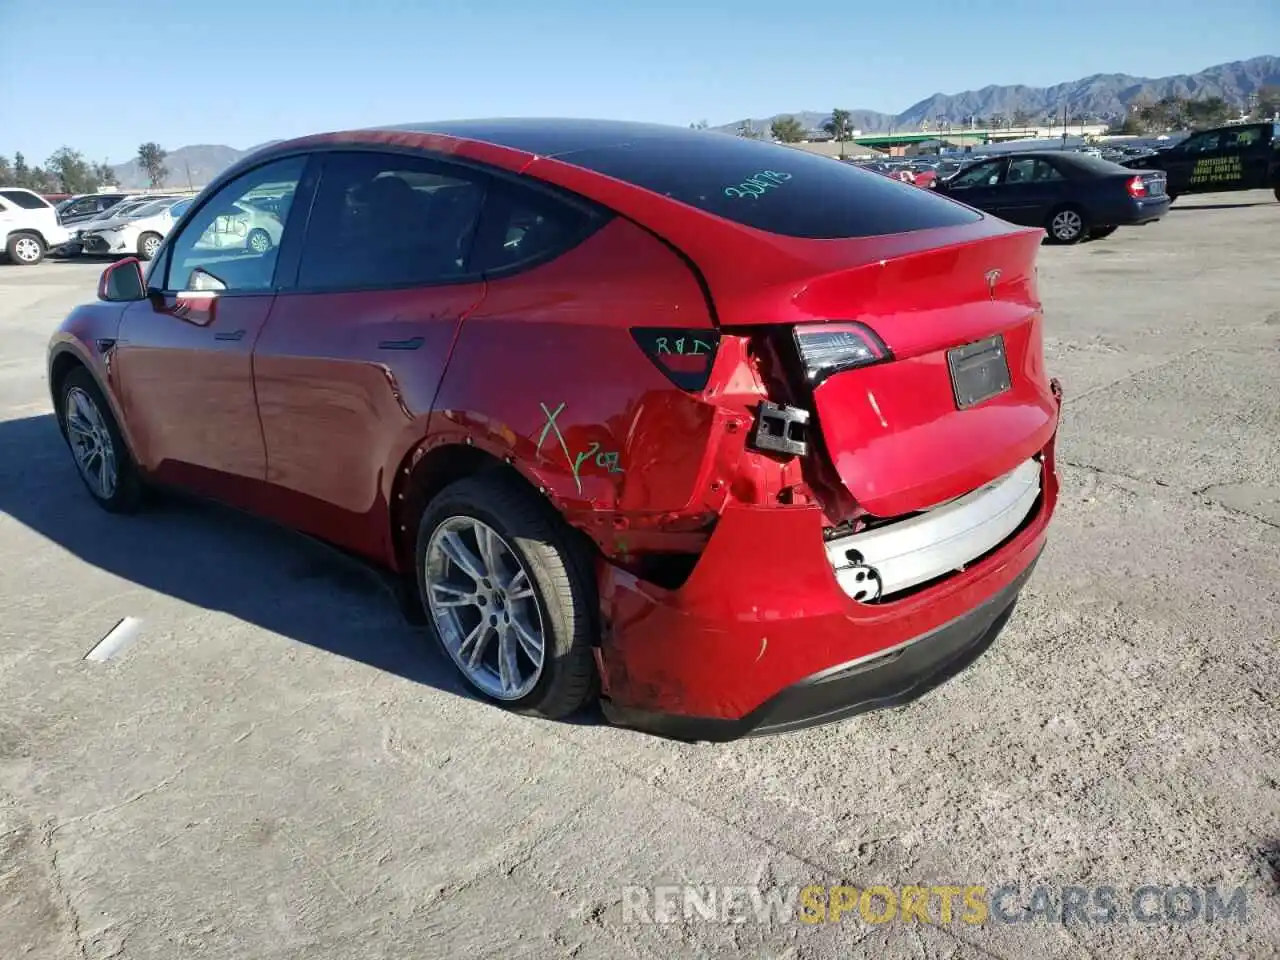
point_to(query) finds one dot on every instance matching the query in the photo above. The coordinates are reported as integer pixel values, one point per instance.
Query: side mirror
(122, 282)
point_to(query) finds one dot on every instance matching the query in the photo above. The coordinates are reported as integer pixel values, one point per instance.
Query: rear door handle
(233, 335)
(413, 343)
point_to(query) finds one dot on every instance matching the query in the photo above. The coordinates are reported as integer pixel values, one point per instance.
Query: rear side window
(782, 190)
(1243, 139)
(388, 220)
(27, 201)
(521, 227)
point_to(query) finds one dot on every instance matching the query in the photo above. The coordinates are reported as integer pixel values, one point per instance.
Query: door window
(1031, 170)
(231, 243)
(81, 208)
(24, 199)
(1206, 142)
(983, 175)
(384, 220)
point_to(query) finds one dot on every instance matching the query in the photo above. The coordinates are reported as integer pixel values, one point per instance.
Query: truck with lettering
(1244, 156)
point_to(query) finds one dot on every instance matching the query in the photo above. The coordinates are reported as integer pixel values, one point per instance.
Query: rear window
(27, 201)
(1093, 166)
(782, 190)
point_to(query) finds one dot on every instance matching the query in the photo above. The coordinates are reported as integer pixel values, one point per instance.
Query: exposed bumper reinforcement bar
(884, 561)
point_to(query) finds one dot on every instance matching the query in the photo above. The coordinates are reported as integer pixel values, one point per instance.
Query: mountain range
(1103, 95)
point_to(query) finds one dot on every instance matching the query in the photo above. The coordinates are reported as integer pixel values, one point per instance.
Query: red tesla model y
(732, 437)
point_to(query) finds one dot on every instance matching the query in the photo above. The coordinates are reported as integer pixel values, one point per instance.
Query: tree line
(1143, 117)
(67, 171)
(1147, 116)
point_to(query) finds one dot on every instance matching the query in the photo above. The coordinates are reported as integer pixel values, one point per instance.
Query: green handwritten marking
(663, 345)
(606, 460)
(755, 185)
(551, 425)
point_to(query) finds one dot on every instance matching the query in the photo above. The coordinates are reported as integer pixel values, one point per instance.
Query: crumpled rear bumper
(761, 638)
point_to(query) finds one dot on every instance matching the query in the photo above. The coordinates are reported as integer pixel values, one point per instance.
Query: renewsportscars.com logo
(971, 904)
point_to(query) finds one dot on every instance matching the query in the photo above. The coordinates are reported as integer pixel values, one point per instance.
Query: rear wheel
(25, 249)
(1097, 233)
(1278, 193)
(97, 445)
(1067, 225)
(148, 245)
(509, 595)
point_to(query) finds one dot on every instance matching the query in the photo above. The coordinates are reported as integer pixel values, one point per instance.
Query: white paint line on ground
(118, 639)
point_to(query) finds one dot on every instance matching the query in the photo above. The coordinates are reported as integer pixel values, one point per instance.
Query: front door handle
(233, 335)
(413, 343)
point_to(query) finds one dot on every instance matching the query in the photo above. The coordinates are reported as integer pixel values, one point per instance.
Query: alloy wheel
(259, 242)
(26, 249)
(482, 603)
(150, 246)
(91, 445)
(1067, 225)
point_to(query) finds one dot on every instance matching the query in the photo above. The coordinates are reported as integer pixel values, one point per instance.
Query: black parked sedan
(1072, 195)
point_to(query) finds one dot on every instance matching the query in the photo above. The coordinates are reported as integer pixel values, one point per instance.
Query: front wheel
(97, 445)
(259, 241)
(149, 245)
(510, 595)
(25, 249)
(1067, 225)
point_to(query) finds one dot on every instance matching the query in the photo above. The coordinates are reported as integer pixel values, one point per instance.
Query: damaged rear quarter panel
(545, 373)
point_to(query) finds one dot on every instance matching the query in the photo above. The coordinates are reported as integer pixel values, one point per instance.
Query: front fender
(88, 337)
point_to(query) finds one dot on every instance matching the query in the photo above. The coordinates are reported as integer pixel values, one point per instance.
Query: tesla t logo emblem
(993, 277)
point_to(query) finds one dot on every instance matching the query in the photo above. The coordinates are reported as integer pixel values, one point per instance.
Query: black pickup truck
(1243, 156)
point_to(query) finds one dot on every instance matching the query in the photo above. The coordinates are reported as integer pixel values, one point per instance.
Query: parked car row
(1089, 192)
(128, 224)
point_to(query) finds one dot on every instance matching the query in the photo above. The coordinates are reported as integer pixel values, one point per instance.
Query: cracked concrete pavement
(279, 768)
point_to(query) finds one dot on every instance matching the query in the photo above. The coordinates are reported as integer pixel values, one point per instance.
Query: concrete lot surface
(279, 768)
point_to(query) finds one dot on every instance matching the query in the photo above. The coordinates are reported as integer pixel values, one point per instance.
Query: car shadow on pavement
(218, 559)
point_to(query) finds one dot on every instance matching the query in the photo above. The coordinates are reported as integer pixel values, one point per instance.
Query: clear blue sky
(244, 71)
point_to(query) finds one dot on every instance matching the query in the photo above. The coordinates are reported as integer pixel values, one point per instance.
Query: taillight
(1137, 188)
(829, 348)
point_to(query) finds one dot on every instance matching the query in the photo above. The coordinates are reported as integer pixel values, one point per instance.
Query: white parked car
(138, 231)
(28, 226)
(244, 227)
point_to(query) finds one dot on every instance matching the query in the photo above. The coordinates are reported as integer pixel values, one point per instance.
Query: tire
(79, 393)
(1172, 197)
(1063, 218)
(549, 584)
(258, 240)
(25, 249)
(1278, 193)
(1097, 233)
(149, 245)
